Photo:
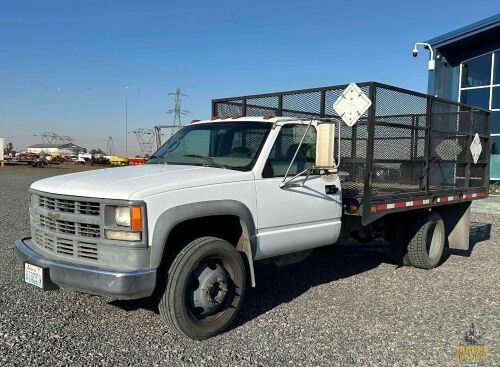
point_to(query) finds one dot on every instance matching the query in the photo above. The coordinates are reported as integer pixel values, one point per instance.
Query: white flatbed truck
(270, 176)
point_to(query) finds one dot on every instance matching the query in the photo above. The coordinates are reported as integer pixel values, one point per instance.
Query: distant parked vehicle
(117, 161)
(34, 159)
(100, 161)
(136, 161)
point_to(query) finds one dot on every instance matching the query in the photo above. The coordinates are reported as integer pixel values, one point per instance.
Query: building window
(477, 72)
(495, 98)
(479, 97)
(480, 81)
(480, 86)
(496, 66)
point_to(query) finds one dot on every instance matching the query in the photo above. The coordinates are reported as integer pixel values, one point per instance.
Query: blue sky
(64, 65)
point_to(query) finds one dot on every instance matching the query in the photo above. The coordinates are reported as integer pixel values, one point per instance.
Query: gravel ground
(345, 305)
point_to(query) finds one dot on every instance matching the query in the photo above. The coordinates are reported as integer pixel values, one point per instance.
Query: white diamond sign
(476, 148)
(351, 104)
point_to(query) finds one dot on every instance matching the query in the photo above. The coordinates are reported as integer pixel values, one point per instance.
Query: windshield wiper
(207, 158)
(160, 159)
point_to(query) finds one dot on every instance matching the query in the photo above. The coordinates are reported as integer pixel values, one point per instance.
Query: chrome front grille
(67, 227)
(68, 206)
(44, 241)
(66, 247)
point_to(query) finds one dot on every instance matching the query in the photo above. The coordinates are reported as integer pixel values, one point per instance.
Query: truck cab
(110, 231)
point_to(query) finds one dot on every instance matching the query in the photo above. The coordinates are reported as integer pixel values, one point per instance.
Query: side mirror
(325, 141)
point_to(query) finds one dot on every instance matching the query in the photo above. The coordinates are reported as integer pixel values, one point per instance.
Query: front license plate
(33, 275)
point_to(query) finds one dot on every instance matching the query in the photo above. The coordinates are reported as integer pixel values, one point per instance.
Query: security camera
(415, 52)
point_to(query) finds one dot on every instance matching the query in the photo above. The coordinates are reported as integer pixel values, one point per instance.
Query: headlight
(122, 216)
(125, 223)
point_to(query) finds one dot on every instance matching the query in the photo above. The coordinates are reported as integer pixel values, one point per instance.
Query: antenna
(110, 147)
(146, 139)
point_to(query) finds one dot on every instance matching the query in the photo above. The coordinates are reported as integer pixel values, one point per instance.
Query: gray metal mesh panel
(248, 139)
(414, 144)
(262, 106)
(233, 107)
(302, 105)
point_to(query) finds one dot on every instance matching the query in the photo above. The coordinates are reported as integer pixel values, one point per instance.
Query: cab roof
(263, 119)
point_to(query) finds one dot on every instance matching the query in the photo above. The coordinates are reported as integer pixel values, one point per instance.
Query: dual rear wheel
(420, 243)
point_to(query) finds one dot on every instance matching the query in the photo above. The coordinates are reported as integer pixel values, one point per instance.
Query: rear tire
(426, 247)
(205, 288)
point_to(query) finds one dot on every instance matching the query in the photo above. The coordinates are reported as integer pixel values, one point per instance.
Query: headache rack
(409, 150)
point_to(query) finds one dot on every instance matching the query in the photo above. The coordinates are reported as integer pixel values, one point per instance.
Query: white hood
(137, 182)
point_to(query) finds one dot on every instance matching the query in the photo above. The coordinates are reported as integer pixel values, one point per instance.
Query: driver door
(295, 218)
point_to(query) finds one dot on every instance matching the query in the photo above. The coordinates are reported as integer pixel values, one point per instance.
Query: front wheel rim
(210, 290)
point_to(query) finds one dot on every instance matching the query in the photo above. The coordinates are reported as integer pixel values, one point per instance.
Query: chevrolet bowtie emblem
(54, 215)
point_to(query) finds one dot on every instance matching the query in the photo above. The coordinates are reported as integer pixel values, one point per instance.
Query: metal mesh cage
(406, 144)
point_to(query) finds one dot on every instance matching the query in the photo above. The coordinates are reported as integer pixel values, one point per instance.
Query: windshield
(233, 145)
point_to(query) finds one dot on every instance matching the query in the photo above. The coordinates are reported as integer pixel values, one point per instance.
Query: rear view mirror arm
(284, 182)
(326, 170)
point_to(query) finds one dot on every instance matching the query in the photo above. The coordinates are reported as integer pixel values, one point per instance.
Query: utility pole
(126, 124)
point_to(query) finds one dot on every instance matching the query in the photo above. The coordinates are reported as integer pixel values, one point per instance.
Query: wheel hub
(212, 289)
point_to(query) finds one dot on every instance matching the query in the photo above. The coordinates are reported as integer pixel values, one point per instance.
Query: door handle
(331, 189)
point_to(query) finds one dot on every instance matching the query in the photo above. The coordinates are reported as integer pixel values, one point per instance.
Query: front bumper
(102, 282)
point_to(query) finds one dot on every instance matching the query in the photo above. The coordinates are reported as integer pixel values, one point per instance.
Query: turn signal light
(136, 218)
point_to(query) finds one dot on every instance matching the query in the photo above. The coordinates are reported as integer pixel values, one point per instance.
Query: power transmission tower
(178, 111)
(64, 139)
(49, 137)
(146, 139)
(110, 147)
(177, 124)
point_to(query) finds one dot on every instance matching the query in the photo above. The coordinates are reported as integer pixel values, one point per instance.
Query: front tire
(205, 288)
